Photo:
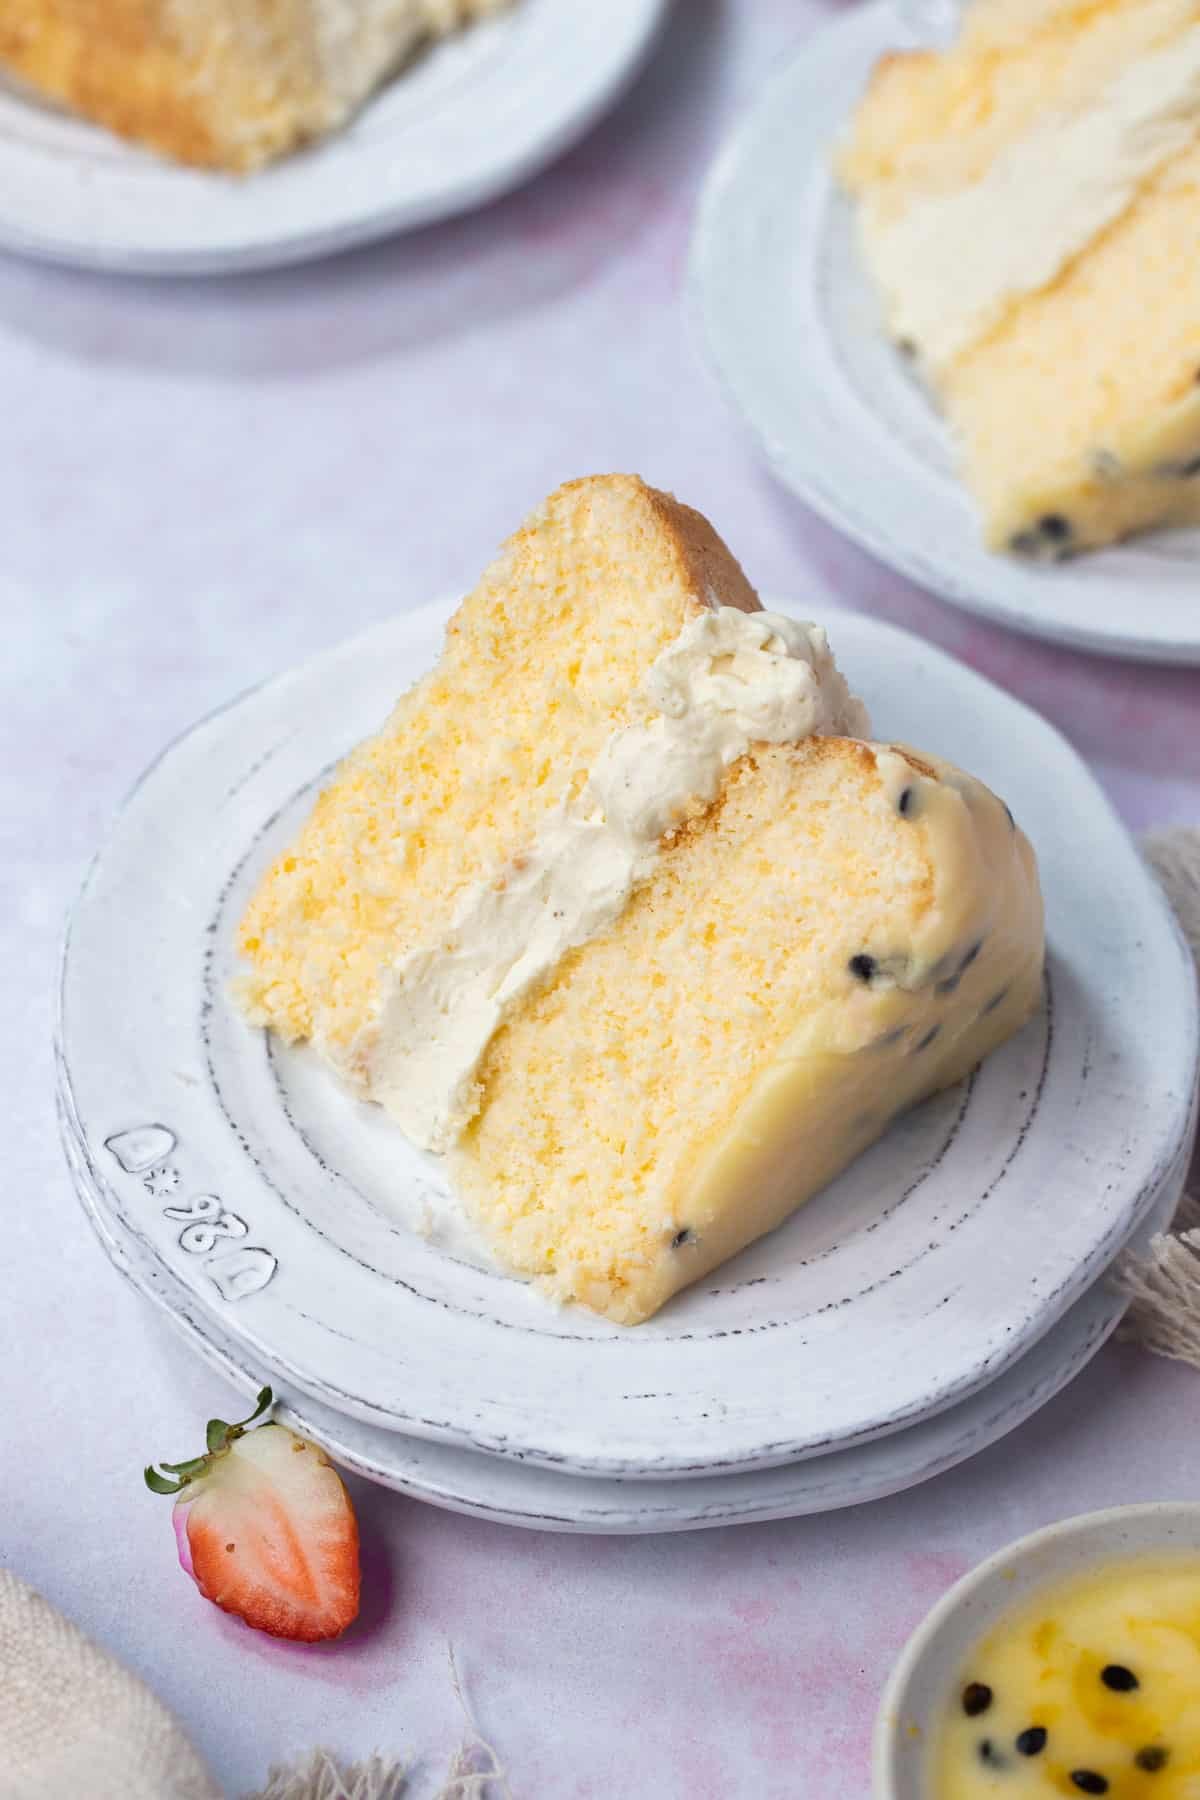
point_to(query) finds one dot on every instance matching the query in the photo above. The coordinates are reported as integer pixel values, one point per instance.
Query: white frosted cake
(625, 914)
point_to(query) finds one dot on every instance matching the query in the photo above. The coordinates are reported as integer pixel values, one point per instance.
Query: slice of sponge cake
(1028, 203)
(624, 914)
(226, 84)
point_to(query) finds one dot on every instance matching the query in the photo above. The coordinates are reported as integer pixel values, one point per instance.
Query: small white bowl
(916, 1695)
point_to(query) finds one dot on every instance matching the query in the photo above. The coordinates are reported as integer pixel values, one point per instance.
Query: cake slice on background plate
(624, 914)
(1028, 205)
(226, 84)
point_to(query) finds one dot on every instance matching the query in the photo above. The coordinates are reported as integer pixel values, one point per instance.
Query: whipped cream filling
(357, 44)
(730, 680)
(952, 263)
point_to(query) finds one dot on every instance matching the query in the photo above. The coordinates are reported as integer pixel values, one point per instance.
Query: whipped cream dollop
(951, 264)
(730, 680)
(355, 44)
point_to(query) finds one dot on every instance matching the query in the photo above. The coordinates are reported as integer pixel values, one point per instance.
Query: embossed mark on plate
(209, 1229)
(243, 1272)
(141, 1148)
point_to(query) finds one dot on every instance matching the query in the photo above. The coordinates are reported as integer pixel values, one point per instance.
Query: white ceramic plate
(792, 327)
(471, 118)
(916, 1696)
(520, 1493)
(287, 1209)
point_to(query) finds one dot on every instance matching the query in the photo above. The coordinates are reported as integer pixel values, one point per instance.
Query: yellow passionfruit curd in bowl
(1091, 1685)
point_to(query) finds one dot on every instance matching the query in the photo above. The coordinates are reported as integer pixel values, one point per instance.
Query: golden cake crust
(705, 563)
(708, 563)
(127, 65)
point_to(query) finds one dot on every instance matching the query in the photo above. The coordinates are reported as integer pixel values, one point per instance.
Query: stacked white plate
(929, 1300)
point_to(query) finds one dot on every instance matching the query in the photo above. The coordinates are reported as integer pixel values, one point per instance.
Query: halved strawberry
(266, 1529)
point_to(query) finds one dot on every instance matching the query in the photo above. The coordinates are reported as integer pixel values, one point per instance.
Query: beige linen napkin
(74, 1723)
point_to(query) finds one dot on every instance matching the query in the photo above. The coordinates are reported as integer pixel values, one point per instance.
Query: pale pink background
(204, 482)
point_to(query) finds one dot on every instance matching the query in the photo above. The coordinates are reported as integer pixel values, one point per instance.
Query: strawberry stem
(218, 1436)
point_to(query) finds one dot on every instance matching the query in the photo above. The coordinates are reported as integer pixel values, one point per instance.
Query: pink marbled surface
(204, 482)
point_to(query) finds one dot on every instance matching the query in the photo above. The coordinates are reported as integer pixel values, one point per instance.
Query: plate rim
(417, 623)
(691, 1513)
(800, 471)
(358, 226)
